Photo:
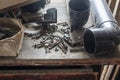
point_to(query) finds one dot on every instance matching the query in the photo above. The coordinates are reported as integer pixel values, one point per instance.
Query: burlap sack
(11, 46)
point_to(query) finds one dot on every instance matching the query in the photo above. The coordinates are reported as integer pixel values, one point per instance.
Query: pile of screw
(48, 41)
(52, 42)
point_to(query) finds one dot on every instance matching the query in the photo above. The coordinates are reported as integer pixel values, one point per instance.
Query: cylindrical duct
(79, 13)
(105, 36)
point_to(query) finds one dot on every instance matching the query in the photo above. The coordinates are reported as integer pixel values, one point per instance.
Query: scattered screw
(56, 49)
(36, 36)
(54, 45)
(62, 48)
(38, 46)
(46, 45)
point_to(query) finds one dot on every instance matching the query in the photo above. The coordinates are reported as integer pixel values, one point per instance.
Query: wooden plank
(105, 68)
(42, 70)
(107, 1)
(65, 62)
(118, 14)
(115, 72)
(116, 7)
(50, 76)
(13, 4)
(112, 5)
(109, 72)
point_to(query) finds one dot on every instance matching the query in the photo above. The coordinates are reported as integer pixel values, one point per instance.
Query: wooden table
(6, 5)
(37, 57)
(33, 60)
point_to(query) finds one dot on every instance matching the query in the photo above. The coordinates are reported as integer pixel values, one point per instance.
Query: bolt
(54, 45)
(56, 49)
(46, 45)
(62, 48)
(37, 46)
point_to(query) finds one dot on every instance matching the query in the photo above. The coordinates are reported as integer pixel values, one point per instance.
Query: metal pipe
(105, 36)
(79, 13)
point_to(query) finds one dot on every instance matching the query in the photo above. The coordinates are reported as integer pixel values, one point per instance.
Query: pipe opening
(89, 41)
(104, 37)
(79, 11)
(79, 5)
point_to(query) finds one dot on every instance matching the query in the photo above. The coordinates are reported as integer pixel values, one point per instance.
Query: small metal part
(56, 49)
(66, 31)
(51, 28)
(64, 45)
(69, 42)
(38, 46)
(46, 50)
(51, 16)
(63, 30)
(77, 50)
(62, 48)
(65, 24)
(54, 44)
(46, 45)
(66, 36)
(36, 36)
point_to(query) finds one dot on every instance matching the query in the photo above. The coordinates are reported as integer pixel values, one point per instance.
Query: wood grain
(6, 5)
(118, 14)
(58, 62)
(50, 76)
(112, 6)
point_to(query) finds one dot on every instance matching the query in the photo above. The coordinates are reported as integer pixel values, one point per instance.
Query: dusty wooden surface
(50, 76)
(65, 62)
(13, 4)
(31, 57)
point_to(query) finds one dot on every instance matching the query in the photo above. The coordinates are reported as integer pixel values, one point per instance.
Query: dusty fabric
(11, 46)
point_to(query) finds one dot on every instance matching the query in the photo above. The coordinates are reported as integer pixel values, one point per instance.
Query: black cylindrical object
(79, 13)
(105, 37)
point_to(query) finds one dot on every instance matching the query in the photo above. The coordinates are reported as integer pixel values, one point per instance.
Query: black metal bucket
(79, 13)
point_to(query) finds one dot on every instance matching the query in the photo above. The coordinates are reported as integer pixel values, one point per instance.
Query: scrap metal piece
(51, 16)
(76, 50)
(56, 49)
(62, 48)
(38, 46)
(46, 45)
(54, 44)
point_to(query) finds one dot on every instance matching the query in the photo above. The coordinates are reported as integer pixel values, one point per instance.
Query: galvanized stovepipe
(105, 36)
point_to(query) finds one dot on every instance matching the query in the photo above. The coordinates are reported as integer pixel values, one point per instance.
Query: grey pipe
(105, 36)
(79, 13)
